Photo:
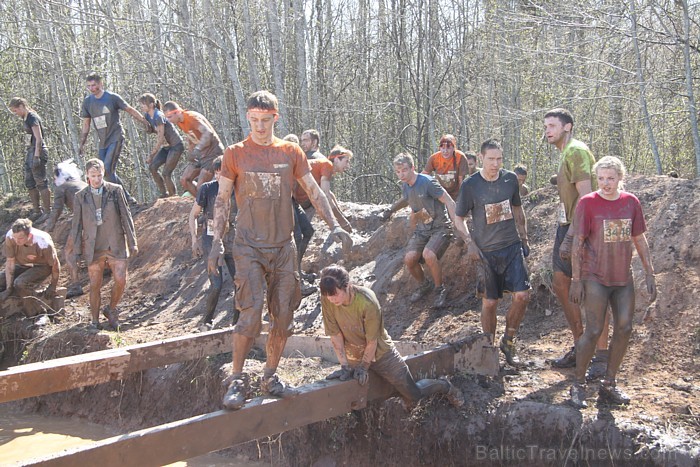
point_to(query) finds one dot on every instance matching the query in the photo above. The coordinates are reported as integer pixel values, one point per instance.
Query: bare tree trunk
(692, 108)
(232, 66)
(298, 7)
(58, 82)
(277, 63)
(190, 57)
(217, 96)
(161, 72)
(642, 89)
(249, 47)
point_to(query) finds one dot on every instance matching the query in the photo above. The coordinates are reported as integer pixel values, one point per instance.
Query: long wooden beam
(63, 374)
(260, 417)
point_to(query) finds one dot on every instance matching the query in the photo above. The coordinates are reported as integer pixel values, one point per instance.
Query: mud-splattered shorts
(256, 269)
(559, 264)
(502, 270)
(436, 240)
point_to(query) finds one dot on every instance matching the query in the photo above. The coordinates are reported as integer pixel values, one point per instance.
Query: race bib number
(425, 217)
(98, 216)
(263, 185)
(100, 122)
(498, 212)
(617, 230)
(446, 179)
(27, 139)
(210, 227)
(561, 214)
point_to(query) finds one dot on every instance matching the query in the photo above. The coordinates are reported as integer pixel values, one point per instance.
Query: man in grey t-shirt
(101, 108)
(498, 242)
(430, 205)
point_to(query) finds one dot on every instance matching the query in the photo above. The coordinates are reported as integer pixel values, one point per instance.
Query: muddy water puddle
(27, 436)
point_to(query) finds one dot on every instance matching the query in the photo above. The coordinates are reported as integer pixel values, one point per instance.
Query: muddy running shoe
(309, 277)
(596, 370)
(441, 298)
(567, 361)
(578, 396)
(111, 316)
(274, 387)
(610, 393)
(455, 396)
(237, 393)
(307, 290)
(508, 348)
(74, 291)
(421, 291)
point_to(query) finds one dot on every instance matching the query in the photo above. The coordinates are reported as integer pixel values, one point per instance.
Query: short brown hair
(334, 278)
(562, 114)
(22, 225)
(404, 158)
(94, 164)
(94, 76)
(218, 162)
(264, 100)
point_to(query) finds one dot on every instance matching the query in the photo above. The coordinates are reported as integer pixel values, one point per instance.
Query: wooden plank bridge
(205, 433)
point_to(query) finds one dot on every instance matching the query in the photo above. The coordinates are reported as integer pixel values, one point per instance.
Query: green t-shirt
(576, 166)
(358, 322)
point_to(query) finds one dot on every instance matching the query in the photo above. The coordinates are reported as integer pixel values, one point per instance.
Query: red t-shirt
(263, 177)
(320, 167)
(608, 228)
(191, 126)
(448, 171)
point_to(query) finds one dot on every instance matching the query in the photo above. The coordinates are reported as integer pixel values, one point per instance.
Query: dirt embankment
(526, 408)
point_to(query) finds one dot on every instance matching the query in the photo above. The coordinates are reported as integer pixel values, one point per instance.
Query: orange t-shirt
(263, 178)
(320, 167)
(190, 126)
(448, 171)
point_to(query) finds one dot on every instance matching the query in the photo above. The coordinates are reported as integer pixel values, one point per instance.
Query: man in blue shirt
(101, 108)
(430, 205)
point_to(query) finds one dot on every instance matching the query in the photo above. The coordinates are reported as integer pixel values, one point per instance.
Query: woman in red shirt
(607, 223)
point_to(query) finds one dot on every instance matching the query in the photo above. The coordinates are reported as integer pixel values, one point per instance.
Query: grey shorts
(436, 240)
(559, 264)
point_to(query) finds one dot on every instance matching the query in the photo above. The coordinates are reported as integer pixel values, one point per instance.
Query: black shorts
(559, 264)
(501, 271)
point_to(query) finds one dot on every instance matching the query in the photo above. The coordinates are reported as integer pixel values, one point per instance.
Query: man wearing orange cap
(204, 145)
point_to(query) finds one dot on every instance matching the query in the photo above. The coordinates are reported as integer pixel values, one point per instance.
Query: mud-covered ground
(165, 298)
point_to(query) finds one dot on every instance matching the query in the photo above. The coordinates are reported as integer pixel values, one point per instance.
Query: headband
(172, 113)
(264, 111)
(340, 154)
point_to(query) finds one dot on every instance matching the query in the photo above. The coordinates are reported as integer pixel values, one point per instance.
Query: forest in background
(379, 77)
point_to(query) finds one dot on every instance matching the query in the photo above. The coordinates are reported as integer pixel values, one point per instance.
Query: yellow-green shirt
(359, 322)
(576, 166)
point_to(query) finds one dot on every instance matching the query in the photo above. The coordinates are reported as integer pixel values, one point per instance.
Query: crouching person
(352, 318)
(31, 258)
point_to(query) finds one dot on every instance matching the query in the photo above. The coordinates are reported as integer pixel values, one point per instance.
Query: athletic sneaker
(237, 393)
(74, 291)
(274, 387)
(441, 298)
(508, 348)
(609, 392)
(422, 289)
(596, 370)
(455, 396)
(111, 316)
(567, 361)
(307, 290)
(578, 396)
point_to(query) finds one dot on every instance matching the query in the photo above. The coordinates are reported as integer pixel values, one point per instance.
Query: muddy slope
(165, 299)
